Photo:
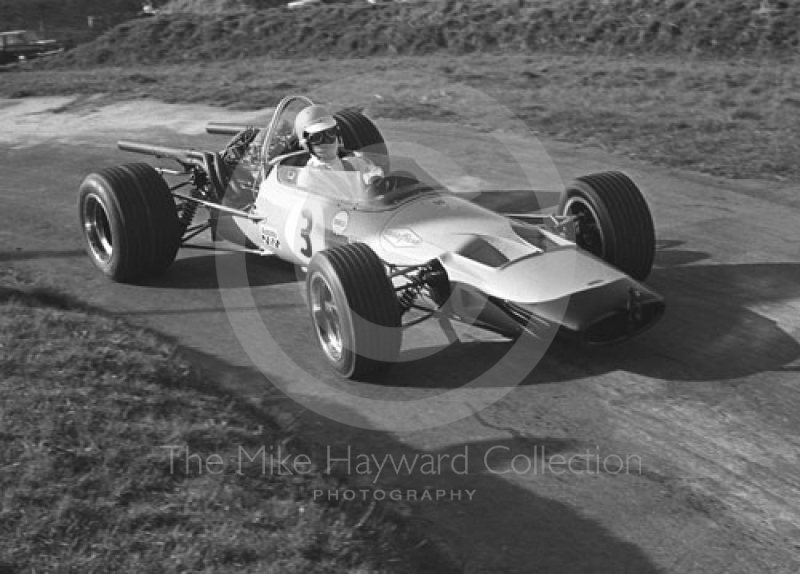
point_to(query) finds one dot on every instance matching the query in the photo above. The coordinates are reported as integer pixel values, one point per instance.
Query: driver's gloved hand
(373, 175)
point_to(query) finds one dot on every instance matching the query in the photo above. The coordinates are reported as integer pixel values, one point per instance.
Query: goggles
(323, 137)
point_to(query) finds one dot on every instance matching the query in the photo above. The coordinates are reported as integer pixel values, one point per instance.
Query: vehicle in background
(303, 3)
(148, 9)
(21, 45)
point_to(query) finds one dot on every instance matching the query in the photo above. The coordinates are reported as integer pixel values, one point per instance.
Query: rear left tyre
(129, 221)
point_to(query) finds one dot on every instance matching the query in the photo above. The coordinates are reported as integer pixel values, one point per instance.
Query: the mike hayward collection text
(495, 460)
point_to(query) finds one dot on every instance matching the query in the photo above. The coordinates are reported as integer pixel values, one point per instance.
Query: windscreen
(281, 135)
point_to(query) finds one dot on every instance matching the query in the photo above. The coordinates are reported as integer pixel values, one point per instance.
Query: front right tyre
(354, 310)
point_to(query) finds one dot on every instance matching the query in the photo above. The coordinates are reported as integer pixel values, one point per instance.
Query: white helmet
(311, 120)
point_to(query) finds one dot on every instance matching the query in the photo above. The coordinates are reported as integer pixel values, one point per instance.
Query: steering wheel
(382, 185)
(391, 182)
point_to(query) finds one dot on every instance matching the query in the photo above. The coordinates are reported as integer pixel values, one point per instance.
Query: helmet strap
(310, 149)
(304, 143)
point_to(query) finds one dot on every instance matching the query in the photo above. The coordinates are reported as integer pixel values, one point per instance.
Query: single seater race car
(383, 256)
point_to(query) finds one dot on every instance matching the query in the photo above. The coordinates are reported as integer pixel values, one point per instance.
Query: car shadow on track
(203, 272)
(711, 330)
(718, 324)
(668, 256)
(499, 527)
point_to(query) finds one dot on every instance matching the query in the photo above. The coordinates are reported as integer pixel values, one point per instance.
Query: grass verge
(89, 404)
(734, 118)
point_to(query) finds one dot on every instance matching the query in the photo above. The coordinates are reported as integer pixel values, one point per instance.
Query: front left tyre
(612, 221)
(129, 221)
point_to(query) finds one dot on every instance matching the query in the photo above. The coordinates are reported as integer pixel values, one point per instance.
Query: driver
(318, 134)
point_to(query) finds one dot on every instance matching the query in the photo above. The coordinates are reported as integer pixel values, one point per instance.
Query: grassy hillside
(731, 28)
(714, 91)
(59, 13)
(220, 6)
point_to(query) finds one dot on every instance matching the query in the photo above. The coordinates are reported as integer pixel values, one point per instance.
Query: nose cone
(606, 314)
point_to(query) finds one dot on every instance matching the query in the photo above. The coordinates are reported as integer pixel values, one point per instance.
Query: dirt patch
(28, 122)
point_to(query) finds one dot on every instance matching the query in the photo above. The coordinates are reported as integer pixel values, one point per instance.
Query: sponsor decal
(402, 237)
(269, 237)
(339, 222)
(287, 175)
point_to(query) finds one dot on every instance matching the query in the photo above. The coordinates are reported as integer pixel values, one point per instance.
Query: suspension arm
(218, 207)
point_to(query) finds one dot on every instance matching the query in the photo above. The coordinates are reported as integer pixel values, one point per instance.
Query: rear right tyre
(129, 221)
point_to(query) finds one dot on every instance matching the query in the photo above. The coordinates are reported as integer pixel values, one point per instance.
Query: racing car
(378, 258)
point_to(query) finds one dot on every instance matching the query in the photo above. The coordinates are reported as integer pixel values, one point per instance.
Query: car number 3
(305, 232)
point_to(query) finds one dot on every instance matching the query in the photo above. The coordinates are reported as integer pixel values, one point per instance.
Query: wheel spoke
(320, 318)
(98, 229)
(335, 333)
(326, 318)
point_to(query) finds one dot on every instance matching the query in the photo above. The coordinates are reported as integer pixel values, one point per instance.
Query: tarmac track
(707, 400)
